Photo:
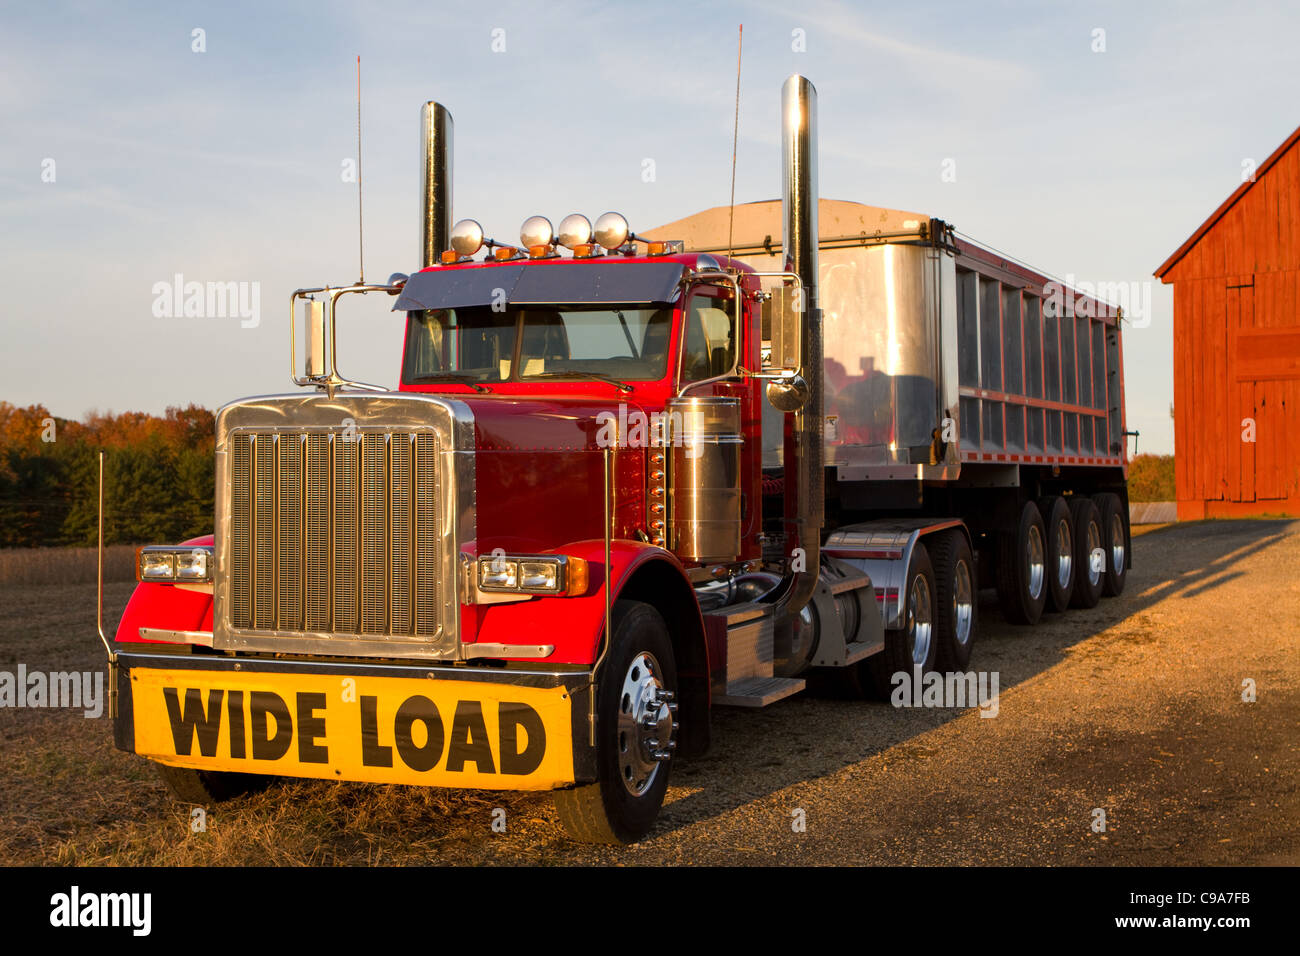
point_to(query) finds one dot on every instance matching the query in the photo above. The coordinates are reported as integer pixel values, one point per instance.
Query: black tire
(956, 599)
(1115, 539)
(210, 786)
(1061, 568)
(1088, 578)
(902, 651)
(612, 810)
(1022, 567)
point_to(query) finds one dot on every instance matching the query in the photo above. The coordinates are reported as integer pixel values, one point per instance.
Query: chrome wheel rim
(645, 724)
(1094, 545)
(1064, 555)
(1117, 543)
(1034, 555)
(963, 603)
(920, 619)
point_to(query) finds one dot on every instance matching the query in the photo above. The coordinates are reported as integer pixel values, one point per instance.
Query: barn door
(1243, 418)
(1265, 358)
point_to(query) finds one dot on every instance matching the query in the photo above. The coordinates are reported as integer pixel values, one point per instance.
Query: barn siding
(1237, 350)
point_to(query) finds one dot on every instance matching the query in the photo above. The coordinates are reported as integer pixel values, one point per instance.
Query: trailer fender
(883, 549)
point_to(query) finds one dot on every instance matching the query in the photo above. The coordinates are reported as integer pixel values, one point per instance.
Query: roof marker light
(665, 247)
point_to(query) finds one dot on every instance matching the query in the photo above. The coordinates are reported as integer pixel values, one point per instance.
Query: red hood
(544, 423)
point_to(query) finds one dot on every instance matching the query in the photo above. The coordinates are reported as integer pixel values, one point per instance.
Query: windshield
(482, 344)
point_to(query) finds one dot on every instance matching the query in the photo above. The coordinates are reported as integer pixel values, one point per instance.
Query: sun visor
(563, 283)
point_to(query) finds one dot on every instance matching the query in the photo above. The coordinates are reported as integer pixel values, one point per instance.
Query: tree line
(158, 476)
(1151, 478)
(159, 482)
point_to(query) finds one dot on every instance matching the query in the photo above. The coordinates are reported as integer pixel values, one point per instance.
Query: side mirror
(314, 327)
(782, 316)
(783, 327)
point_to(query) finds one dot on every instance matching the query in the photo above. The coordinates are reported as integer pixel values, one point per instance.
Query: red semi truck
(625, 478)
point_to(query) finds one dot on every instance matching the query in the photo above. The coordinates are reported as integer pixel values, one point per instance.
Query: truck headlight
(539, 576)
(498, 574)
(174, 565)
(533, 574)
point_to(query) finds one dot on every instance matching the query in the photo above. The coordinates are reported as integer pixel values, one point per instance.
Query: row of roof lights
(538, 239)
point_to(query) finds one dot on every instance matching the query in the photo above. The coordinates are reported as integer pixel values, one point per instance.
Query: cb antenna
(361, 245)
(735, 136)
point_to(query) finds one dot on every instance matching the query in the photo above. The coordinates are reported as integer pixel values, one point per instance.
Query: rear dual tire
(914, 646)
(1115, 541)
(1061, 567)
(955, 608)
(1089, 553)
(1022, 568)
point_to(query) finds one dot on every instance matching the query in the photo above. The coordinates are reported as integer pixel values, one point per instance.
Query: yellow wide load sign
(379, 729)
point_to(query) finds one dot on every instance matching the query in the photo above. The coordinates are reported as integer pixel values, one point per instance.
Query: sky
(140, 142)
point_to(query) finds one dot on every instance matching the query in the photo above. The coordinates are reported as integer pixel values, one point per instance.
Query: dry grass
(24, 566)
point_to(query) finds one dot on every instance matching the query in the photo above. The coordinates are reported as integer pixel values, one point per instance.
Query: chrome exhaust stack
(436, 128)
(804, 464)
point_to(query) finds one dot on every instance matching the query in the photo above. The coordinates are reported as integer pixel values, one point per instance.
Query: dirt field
(1134, 708)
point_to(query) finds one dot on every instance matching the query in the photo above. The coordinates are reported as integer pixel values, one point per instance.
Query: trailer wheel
(635, 733)
(1061, 568)
(954, 579)
(1089, 553)
(210, 786)
(912, 647)
(1115, 541)
(1022, 568)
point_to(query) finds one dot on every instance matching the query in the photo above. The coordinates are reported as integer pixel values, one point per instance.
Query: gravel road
(1133, 708)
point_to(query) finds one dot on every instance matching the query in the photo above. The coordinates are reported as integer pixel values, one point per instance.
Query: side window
(709, 348)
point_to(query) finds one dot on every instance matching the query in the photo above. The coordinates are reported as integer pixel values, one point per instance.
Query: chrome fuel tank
(705, 442)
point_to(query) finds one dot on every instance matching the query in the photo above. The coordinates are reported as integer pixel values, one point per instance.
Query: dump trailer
(626, 478)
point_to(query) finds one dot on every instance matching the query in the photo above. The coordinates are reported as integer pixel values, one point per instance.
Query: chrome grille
(335, 532)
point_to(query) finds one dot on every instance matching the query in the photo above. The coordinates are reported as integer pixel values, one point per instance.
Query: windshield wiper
(583, 373)
(627, 334)
(458, 377)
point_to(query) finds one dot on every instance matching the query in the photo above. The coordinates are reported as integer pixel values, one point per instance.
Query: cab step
(758, 691)
(860, 650)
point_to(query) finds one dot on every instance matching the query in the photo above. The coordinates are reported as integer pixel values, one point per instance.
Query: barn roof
(1227, 204)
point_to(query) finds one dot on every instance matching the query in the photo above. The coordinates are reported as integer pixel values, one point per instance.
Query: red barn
(1237, 349)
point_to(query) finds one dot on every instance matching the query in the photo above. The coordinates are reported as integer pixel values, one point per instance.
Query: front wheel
(210, 786)
(636, 732)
